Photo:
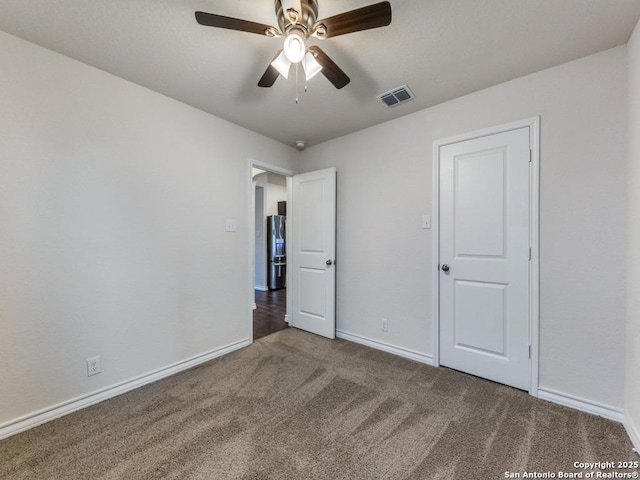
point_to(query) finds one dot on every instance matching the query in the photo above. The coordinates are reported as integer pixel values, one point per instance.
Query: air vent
(396, 96)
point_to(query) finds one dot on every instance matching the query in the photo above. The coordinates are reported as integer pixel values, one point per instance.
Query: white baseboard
(401, 352)
(581, 404)
(634, 434)
(261, 288)
(287, 319)
(51, 413)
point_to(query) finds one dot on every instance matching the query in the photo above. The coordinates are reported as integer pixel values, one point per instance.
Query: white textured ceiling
(442, 49)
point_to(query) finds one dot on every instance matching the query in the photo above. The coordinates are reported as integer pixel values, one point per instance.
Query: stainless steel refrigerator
(277, 251)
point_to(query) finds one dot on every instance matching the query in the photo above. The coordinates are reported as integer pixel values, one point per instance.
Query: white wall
(385, 184)
(113, 202)
(632, 384)
(260, 259)
(276, 191)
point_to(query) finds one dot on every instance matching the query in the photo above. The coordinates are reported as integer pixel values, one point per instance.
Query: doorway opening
(270, 192)
(309, 246)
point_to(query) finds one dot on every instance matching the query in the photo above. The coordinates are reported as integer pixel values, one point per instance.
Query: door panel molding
(533, 123)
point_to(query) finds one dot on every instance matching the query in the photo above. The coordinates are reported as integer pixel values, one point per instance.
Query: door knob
(329, 263)
(445, 268)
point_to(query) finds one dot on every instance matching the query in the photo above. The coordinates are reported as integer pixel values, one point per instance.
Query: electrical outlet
(385, 325)
(230, 225)
(93, 366)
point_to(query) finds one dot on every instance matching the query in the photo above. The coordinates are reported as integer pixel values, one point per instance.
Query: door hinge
(529, 253)
(529, 351)
(530, 155)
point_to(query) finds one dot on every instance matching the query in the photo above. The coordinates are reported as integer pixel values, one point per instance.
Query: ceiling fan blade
(329, 69)
(365, 18)
(270, 75)
(220, 21)
(269, 78)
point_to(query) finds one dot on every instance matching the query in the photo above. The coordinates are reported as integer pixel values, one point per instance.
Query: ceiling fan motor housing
(309, 15)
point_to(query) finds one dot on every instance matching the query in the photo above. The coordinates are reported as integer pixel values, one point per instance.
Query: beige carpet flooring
(297, 406)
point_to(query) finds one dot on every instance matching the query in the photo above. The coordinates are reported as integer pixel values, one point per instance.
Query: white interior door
(485, 256)
(312, 252)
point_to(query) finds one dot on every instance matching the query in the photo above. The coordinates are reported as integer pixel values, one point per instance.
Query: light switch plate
(231, 225)
(426, 221)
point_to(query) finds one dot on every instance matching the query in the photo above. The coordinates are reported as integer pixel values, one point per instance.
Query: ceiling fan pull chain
(296, 83)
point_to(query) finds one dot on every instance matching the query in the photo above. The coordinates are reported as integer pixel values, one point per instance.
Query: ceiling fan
(297, 23)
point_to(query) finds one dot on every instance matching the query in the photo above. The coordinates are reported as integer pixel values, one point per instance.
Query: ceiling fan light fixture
(295, 46)
(282, 64)
(311, 66)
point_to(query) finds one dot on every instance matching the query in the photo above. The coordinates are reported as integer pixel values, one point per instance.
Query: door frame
(534, 241)
(271, 168)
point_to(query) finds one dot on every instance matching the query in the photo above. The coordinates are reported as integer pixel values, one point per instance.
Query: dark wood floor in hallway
(268, 317)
